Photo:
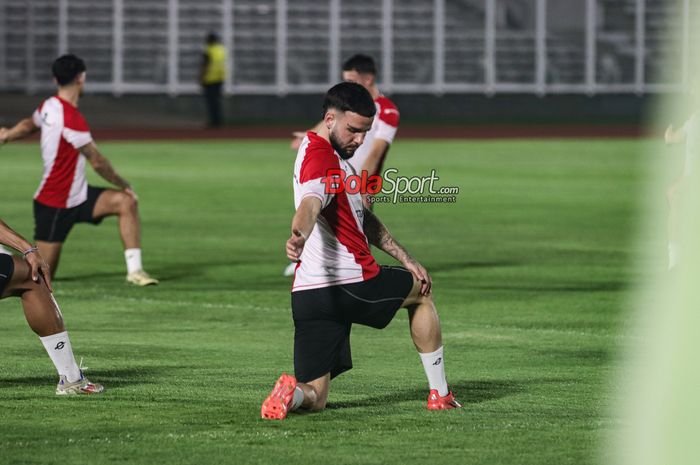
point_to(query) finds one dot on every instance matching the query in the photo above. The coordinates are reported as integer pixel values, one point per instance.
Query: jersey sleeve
(76, 130)
(388, 120)
(313, 176)
(36, 117)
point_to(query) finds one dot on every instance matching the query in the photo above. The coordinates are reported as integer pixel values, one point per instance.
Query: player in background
(28, 278)
(689, 134)
(371, 155)
(337, 281)
(64, 197)
(212, 75)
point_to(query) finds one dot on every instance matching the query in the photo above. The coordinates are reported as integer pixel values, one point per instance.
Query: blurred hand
(295, 245)
(421, 274)
(4, 135)
(298, 136)
(128, 191)
(39, 268)
(668, 135)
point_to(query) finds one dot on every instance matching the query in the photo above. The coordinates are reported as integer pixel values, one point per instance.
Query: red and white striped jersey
(63, 132)
(337, 251)
(384, 127)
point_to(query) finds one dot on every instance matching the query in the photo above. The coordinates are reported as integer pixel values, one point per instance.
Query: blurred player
(212, 75)
(370, 156)
(338, 282)
(28, 279)
(689, 134)
(64, 197)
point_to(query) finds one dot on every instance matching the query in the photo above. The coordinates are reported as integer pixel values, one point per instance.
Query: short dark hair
(212, 38)
(363, 64)
(66, 68)
(349, 96)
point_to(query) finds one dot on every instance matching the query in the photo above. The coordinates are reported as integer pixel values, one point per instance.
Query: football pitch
(531, 268)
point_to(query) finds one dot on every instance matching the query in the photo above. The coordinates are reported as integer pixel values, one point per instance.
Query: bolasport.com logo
(390, 188)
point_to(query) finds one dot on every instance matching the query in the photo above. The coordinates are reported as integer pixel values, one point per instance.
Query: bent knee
(127, 203)
(416, 298)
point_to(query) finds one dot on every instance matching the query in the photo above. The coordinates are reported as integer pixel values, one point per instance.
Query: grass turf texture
(530, 267)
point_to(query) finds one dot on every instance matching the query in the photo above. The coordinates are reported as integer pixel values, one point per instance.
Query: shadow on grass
(454, 266)
(171, 272)
(110, 378)
(582, 287)
(467, 392)
(87, 277)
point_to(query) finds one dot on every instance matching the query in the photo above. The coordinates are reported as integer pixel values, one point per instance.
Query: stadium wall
(160, 111)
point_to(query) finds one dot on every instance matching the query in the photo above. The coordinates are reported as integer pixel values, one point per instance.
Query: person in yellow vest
(212, 76)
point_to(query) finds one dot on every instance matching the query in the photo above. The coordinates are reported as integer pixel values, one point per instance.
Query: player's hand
(39, 268)
(130, 192)
(4, 135)
(421, 275)
(298, 136)
(295, 245)
(668, 135)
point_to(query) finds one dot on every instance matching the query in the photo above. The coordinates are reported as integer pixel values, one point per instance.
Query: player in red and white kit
(64, 197)
(337, 281)
(371, 155)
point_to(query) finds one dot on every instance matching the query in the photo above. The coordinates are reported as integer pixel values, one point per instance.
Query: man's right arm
(22, 129)
(302, 224)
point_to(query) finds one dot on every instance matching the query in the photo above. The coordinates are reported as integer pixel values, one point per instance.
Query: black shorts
(7, 267)
(323, 319)
(54, 224)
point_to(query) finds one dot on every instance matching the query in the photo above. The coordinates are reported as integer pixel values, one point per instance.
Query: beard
(344, 153)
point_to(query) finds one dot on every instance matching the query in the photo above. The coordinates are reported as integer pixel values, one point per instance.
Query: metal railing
(297, 46)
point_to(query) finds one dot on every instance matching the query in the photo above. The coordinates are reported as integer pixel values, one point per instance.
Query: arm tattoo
(103, 167)
(105, 170)
(379, 236)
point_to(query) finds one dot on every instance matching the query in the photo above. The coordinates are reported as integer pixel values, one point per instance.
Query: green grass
(530, 268)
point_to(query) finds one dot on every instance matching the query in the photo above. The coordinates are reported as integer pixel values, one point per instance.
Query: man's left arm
(103, 167)
(379, 236)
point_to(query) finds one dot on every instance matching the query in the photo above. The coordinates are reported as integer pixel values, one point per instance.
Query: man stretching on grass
(29, 279)
(337, 281)
(64, 197)
(369, 156)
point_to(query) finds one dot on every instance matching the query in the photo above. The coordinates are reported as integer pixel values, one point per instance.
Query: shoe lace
(81, 367)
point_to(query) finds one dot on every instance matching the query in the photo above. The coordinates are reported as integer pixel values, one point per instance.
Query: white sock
(61, 354)
(673, 255)
(297, 399)
(434, 366)
(133, 260)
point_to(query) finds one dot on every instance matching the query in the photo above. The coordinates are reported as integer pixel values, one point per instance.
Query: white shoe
(290, 269)
(82, 386)
(141, 278)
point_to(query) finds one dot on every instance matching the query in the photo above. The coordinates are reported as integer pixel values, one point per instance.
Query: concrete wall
(104, 111)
